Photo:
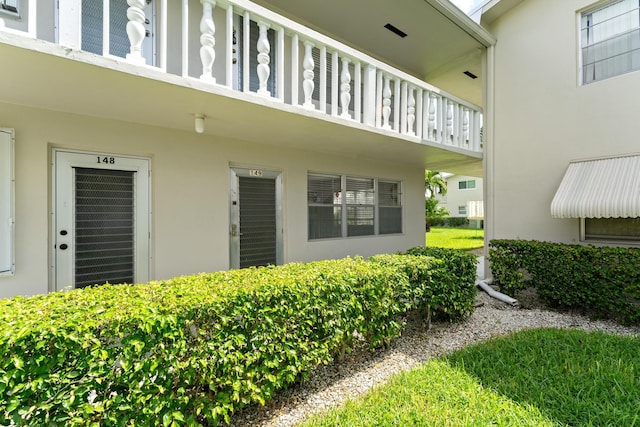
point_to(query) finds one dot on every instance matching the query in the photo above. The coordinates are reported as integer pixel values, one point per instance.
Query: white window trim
(9, 222)
(620, 242)
(376, 205)
(9, 12)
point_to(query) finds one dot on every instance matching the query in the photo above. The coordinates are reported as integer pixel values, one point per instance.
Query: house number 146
(107, 160)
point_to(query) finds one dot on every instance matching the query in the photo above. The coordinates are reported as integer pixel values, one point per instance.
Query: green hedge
(603, 280)
(193, 349)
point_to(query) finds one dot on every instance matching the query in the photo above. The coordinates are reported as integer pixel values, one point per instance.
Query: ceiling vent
(396, 30)
(470, 75)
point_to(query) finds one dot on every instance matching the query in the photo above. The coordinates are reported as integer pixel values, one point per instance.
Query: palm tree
(434, 183)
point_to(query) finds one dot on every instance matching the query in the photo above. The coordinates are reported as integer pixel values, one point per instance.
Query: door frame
(234, 210)
(62, 162)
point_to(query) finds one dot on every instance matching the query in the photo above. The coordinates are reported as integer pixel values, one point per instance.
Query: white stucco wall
(456, 197)
(190, 193)
(544, 118)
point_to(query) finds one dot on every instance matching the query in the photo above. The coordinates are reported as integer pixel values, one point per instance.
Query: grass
(543, 377)
(455, 238)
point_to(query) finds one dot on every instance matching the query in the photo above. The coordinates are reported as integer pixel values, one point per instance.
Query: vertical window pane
(324, 199)
(609, 40)
(389, 207)
(360, 206)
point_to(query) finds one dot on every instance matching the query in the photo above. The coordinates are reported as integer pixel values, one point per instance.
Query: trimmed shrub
(602, 280)
(193, 349)
(452, 290)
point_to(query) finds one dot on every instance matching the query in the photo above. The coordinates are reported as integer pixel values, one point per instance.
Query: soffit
(438, 34)
(599, 188)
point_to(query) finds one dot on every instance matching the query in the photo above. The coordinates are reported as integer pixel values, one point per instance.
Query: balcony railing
(246, 47)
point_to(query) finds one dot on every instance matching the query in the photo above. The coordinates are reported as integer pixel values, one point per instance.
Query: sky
(467, 5)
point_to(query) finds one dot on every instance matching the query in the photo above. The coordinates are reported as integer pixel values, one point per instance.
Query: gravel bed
(330, 386)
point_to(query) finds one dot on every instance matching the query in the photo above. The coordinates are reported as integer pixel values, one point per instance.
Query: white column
(369, 96)
(69, 20)
(264, 48)
(136, 30)
(465, 126)
(106, 27)
(379, 102)
(386, 103)
(323, 79)
(280, 65)
(420, 113)
(404, 101)
(229, 47)
(185, 38)
(162, 44)
(295, 57)
(396, 105)
(449, 127)
(207, 40)
(345, 88)
(307, 75)
(357, 91)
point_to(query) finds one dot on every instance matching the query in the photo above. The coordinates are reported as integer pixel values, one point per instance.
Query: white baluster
(465, 126)
(136, 30)
(207, 40)
(307, 74)
(345, 88)
(450, 122)
(386, 103)
(411, 112)
(264, 48)
(431, 126)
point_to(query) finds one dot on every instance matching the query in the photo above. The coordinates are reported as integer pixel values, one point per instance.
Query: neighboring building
(464, 198)
(142, 140)
(561, 160)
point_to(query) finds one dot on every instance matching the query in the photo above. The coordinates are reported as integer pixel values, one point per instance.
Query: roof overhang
(599, 188)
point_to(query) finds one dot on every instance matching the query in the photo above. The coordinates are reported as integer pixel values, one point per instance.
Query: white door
(101, 219)
(256, 218)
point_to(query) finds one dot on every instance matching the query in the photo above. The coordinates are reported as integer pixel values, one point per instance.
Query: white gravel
(332, 385)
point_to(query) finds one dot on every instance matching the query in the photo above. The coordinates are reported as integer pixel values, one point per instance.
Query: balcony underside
(48, 76)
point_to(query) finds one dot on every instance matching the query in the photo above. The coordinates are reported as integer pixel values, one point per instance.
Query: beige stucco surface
(190, 193)
(543, 118)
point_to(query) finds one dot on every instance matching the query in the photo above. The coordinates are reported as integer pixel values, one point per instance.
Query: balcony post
(307, 74)
(207, 40)
(345, 88)
(264, 48)
(411, 112)
(69, 19)
(431, 125)
(369, 96)
(136, 30)
(386, 102)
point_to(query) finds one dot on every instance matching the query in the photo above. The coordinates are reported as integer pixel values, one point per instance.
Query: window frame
(466, 184)
(345, 206)
(605, 240)
(9, 12)
(7, 181)
(602, 5)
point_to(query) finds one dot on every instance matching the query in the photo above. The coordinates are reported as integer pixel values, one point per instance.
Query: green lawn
(455, 238)
(543, 377)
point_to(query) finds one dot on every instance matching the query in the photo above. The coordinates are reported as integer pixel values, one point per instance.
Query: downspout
(484, 285)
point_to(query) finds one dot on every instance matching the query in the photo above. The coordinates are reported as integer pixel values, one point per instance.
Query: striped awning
(599, 188)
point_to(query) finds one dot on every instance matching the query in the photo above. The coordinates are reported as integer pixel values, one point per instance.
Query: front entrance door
(256, 218)
(101, 219)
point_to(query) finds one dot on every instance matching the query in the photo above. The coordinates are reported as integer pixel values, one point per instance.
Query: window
(366, 206)
(6, 201)
(467, 185)
(9, 6)
(462, 210)
(610, 40)
(612, 229)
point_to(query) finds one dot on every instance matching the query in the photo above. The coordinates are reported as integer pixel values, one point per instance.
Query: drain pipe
(484, 285)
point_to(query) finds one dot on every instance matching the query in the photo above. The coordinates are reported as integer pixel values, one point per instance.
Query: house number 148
(107, 160)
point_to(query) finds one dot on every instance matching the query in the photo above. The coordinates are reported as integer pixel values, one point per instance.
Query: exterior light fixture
(199, 123)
